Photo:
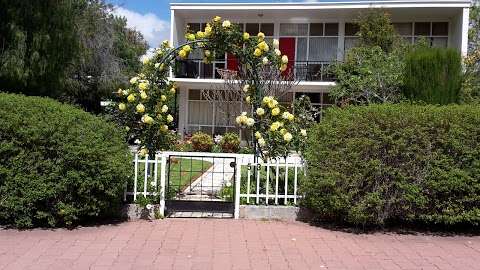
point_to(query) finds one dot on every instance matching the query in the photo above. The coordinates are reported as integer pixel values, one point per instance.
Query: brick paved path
(230, 244)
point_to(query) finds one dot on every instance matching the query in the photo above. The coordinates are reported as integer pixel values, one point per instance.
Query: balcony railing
(303, 70)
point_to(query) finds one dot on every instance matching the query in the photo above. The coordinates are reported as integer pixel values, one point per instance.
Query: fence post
(163, 172)
(238, 176)
(135, 179)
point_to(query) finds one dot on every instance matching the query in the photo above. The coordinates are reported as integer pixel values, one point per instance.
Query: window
(293, 29)
(205, 116)
(320, 101)
(436, 33)
(254, 28)
(351, 39)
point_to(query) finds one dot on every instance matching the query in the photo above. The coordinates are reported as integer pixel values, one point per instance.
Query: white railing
(263, 183)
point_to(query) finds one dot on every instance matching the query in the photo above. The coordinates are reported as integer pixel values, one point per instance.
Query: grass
(184, 171)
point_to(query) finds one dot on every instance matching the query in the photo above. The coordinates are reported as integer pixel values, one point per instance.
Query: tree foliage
(433, 75)
(373, 70)
(74, 50)
(471, 83)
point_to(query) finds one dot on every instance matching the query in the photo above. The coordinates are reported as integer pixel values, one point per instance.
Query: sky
(152, 17)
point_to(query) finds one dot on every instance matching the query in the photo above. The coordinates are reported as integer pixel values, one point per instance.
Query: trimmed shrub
(59, 166)
(230, 143)
(202, 142)
(384, 164)
(433, 75)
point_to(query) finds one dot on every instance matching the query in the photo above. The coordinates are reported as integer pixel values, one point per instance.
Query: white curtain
(323, 49)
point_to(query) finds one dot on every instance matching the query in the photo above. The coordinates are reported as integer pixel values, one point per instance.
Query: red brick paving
(230, 244)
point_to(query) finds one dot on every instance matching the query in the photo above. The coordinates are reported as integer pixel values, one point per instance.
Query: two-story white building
(312, 35)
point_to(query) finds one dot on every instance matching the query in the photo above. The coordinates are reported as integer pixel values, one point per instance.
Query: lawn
(184, 171)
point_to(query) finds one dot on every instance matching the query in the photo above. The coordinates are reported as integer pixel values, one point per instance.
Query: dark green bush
(230, 142)
(433, 75)
(385, 164)
(202, 142)
(59, 166)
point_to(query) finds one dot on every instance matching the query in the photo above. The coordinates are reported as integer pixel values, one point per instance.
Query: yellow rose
(147, 119)
(275, 111)
(283, 68)
(291, 117)
(247, 99)
(272, 103)
(172, 90)
(226, 24)
(208, 31)
(164, 108)
(200, 34)
(283, 131)
(166, 43)
(207, 53)
(131, 98)
(169, 118)
(284, 59)
(276, 43)
(143, 95)
(303, 132)
(257, 52)
(287, 137)
(163, 98)
(261, 142)
(122, 106)
(260, 111)
(190, 37)
(266, 100)
(187, 48)
(143, 152)
(162, 67)
(163, 128)
(119, 92)
(217, 18)
(265, 60)
(258, 135)
(250, 122)
(261, 35)
(134, 80)
(285, 115)
(143, 86)
(246, 36)
(182, 53)
(146, 60)
(140, 108)
(246, 88)
(157, 65)
(278, 52)
(274, 126)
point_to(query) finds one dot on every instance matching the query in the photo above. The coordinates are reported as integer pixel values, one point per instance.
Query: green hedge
(433, 75)
(384, 164)
(59, 166)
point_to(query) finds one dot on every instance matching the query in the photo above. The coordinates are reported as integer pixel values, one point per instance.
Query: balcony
(304, 70)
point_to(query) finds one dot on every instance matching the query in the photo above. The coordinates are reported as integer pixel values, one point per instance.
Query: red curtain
(287, 47)
(232, 62)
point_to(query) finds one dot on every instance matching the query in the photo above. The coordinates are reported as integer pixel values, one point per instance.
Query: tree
(73, 50)
(109, 55)
(372, 71)
(471, 83)
(33, 58)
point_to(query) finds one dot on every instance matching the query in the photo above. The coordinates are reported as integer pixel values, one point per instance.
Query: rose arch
(146, 106)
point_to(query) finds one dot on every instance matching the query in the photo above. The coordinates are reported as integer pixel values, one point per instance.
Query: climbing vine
(146, 102)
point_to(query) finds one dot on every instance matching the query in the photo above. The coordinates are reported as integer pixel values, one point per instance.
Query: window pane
(252, 28)
(316, 29)
(422, 29)
(441, 42)
(403, 29)
(301, 49)
(314, 97)
(351, 29)
(331, 29)
(440, 29)
(218, 66)
(193, 27)
(267, 29)
(323, 49)
(200, 113)
(293, 29)
(193, 94)
(206, 71)
(350, 42)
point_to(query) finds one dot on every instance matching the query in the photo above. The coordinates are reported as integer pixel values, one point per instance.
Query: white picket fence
(262, 183)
